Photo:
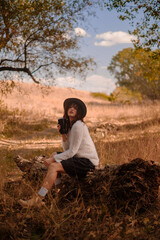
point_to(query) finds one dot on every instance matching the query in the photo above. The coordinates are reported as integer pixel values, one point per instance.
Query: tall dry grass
(75, 220)
(123, 151)
(37, 102)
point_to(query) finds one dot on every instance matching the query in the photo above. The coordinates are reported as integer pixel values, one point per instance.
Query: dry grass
(37, 102)
(73, 218)
(119, 152)
(31, 115)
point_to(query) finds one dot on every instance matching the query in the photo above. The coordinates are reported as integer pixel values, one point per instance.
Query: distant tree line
(138, 70)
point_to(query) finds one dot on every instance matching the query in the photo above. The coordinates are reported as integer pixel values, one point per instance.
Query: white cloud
(94, 83)
(98, 83)
(65, 81)
(67, 36)
(80, 32)
(103, 67)
(112, 38)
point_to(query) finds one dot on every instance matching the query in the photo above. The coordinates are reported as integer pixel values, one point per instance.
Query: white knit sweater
(79, 143)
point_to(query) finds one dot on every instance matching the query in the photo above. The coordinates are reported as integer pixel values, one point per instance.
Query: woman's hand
(48, 161)
(64, 136)
(58, 127)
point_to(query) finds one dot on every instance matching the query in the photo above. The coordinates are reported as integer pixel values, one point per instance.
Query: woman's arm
(65, 143)
(76, 136)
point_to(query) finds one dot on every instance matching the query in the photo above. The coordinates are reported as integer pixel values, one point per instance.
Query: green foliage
(103, 96)
(124, 95)
(144, 15)
(138, 70)
(120, 94)
(100, 95)
(111, 97)
(37, 34)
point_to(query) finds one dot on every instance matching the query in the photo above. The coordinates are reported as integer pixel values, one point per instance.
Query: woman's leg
(51, 176)
(48, 182)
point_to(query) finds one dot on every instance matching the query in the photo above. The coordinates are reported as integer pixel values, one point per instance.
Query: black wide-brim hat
(79, 102)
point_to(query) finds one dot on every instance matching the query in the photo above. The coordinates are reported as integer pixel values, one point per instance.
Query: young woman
(79, 156)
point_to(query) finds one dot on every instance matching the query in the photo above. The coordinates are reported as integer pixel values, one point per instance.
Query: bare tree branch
(44, 65)
(10, 60)
(14, 69)
(43, 31)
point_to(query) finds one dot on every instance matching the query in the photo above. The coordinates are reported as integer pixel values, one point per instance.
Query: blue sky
(102, 38)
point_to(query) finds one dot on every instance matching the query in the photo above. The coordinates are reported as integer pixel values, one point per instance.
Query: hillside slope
(44, 101)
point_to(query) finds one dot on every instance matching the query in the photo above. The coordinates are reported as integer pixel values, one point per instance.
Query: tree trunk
(131, 187)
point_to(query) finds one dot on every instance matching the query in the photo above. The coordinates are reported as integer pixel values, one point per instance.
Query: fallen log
(131, 187)
(32, 169)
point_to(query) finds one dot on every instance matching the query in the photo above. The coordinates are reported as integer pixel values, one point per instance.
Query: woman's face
(72, 111)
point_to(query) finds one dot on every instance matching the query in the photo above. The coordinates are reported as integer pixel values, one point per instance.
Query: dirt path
(100, 134)
(106, 132)
(28, 144)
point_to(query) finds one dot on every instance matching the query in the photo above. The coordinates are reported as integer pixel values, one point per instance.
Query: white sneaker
(36, 201)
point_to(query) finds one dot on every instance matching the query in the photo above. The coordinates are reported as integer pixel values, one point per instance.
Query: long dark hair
(79, 115)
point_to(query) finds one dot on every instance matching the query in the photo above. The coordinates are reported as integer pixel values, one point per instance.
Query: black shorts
(77, 167)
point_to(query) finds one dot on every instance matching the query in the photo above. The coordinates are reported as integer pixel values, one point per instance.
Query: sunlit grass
(30, 119)
(47, 103)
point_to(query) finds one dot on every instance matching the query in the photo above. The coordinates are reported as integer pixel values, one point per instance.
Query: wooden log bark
(131, 186)
(32, 168)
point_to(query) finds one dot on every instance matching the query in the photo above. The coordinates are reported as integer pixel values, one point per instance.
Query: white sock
(42, 192)
(58, 181)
